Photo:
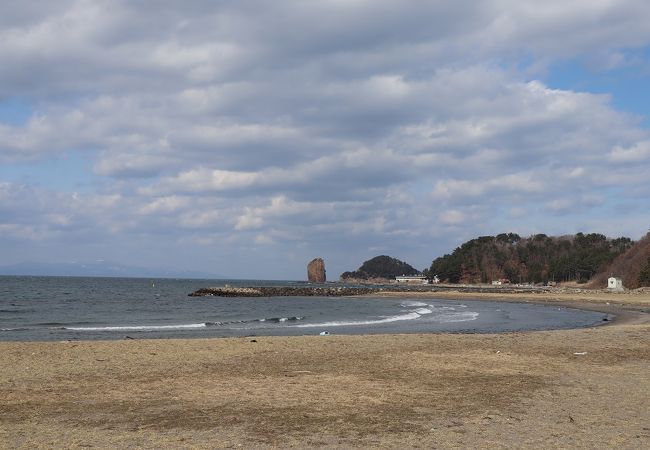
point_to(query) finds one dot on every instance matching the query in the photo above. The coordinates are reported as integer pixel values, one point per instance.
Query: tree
(644, 275)
(538, 258)
(381, 267)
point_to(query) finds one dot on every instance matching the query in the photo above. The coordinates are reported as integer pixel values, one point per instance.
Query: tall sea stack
(316, 271)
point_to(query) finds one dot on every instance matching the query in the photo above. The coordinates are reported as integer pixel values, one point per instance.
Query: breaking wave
(414, 310)
(431, 313)
(182, 326)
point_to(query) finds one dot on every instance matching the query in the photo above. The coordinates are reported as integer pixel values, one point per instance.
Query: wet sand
(586, 388)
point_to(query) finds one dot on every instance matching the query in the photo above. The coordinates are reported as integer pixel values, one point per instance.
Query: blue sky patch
(15, 111)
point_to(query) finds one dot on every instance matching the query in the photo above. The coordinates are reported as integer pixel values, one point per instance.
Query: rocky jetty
(283, 291)
(348, 291)
(316, 271)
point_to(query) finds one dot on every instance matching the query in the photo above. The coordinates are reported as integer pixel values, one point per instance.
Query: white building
(411, 279)
(615, 283)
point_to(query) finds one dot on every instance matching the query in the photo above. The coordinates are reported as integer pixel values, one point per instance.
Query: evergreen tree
(644, 275)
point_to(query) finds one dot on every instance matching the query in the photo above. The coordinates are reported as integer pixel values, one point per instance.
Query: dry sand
(514, 390)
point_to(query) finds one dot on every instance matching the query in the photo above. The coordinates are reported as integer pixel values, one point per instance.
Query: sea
(34, 308)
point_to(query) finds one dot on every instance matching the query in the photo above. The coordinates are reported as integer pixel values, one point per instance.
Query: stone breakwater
(283, 291)
(346, 291)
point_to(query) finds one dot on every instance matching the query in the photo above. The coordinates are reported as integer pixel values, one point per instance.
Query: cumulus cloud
(638, 153)
(368, 125)
(452, 217)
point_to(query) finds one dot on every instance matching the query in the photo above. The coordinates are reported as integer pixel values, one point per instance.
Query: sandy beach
(585, 388)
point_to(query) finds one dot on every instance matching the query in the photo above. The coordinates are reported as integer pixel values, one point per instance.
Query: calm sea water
(69, 308)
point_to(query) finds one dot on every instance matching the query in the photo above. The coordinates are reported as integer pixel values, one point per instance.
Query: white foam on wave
(444, 314)
(457, 317)
(423, 309)
(440, 314)
(409, 316)
(409, 304)
(139, 327)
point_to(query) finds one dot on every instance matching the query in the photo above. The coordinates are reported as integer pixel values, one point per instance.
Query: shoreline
(626, 308)
(618, 313)
(585, 387)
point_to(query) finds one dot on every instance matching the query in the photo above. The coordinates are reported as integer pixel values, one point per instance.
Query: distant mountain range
(100, 269)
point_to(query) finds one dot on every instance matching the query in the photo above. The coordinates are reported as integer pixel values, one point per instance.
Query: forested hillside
(536, 259)
(381, 267)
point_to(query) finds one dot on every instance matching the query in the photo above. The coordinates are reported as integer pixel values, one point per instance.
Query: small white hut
(615, 284)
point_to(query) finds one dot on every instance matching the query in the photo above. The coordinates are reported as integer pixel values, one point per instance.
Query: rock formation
(316, 271)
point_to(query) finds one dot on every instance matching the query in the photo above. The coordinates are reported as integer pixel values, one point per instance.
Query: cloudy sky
(245, 138)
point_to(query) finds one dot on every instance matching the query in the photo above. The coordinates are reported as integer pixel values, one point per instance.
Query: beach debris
(129, 338)
(253, 340)
(580, 353)
(295, 373)
(498, 351)
(454, 423)
(324, 333)
(571, 419)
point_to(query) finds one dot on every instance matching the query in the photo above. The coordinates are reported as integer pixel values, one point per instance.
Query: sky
(244, 138)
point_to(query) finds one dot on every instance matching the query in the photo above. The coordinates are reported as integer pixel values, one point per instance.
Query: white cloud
(263, 239)
(637, 153)
(296, 124)
(248, 220)
(452, 217)
(166, 205)
(574, 202)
